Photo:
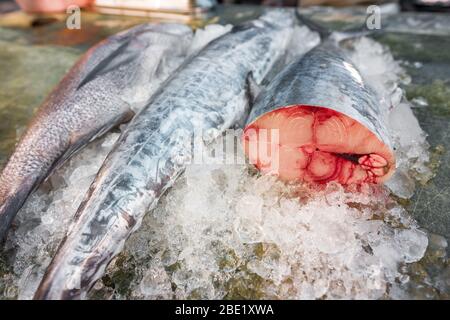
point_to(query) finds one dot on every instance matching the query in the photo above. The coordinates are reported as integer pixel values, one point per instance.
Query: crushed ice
(44, 219)
(225, 231)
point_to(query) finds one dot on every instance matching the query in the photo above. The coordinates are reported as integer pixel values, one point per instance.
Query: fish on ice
(98, 93)
(210, 91)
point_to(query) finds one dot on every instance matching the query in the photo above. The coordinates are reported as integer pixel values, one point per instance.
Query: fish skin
(208, 92)
(326, 78)
(93, 97)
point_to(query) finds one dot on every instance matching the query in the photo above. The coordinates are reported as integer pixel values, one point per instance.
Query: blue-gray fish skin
(210, 91)
(330, 122)
(98, 93)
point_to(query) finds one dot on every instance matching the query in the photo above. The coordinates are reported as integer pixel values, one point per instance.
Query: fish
(318, 121)
(209, 93)
(102, 90)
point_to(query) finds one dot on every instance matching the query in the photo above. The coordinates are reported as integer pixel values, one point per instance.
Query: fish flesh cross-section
(328, 123)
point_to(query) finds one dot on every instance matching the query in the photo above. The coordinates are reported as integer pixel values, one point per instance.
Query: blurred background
(188, 5)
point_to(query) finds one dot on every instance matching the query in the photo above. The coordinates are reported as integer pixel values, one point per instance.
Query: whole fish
(98, 93)
(210, 91)
(328, 122)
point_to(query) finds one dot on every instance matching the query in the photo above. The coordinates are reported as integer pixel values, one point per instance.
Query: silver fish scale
(324, 77)
(208, 92)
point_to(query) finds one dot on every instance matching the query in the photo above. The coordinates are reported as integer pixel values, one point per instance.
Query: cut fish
(318, 121)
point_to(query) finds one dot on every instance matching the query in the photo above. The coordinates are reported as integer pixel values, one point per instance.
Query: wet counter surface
(35, 53)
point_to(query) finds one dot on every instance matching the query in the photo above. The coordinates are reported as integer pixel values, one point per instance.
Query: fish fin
(323, 32)
(252, 89)
(119, 53)
(10, 204)
(102, 51)
(79, 141)
(121, 56)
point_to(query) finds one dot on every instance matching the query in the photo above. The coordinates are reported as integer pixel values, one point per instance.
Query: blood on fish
(319, 145)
